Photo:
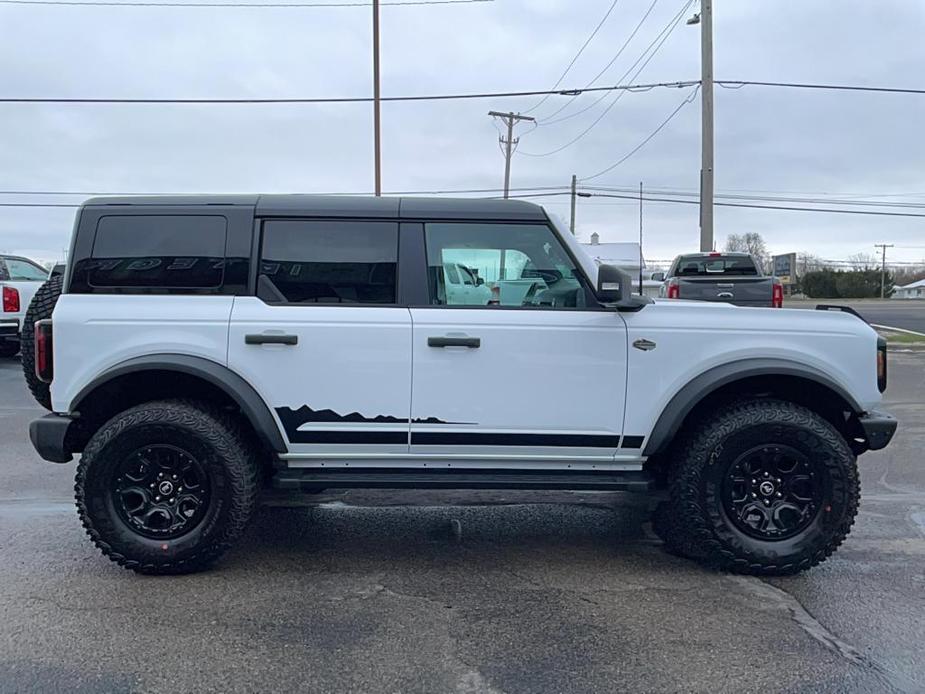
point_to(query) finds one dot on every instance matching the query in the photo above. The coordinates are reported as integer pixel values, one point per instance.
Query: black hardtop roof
(366, 206)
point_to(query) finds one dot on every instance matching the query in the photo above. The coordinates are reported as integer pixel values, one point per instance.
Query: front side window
(476, 264)
(165, 252)
(328, 262)
(23, 270)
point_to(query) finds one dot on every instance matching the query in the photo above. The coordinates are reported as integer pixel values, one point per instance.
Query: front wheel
(761, 487)
(166, 487)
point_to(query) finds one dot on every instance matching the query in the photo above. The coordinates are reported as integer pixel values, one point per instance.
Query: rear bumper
(879, 428)
(49, 435)
(9, 329)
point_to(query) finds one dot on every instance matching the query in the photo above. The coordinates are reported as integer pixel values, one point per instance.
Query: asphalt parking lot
(470, 592)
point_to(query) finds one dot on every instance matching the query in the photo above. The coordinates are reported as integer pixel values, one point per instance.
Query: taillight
(10, 300)
(777, 295)
(881, 364)
(44, 353)
(674, 289)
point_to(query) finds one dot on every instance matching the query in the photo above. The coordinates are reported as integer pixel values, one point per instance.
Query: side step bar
(312, 480)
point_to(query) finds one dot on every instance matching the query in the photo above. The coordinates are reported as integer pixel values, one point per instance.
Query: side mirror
(479, 281)
(613, 284)
(658, 276)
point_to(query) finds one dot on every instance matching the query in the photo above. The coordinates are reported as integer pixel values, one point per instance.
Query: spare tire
(41, 307)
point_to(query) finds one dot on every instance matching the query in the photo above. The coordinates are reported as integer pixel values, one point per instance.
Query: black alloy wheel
(161, 491)
(772, 492)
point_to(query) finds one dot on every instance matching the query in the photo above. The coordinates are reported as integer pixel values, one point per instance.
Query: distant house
(625, 256)
(916, 290)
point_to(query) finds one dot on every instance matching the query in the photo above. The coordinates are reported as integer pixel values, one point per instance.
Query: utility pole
(571, 225)
(509, 143)
(377, 139)
(641, 261)
(883, 247)
(705, 19)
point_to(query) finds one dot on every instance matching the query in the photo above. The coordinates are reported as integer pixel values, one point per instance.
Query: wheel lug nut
(767, 503)
(171, 501)
(175, 477)
(754, 481)
(151, 485)
(754, 496)
(157, 498)
(779, 494)
(766, 474)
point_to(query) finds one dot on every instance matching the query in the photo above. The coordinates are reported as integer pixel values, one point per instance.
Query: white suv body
(324, 322)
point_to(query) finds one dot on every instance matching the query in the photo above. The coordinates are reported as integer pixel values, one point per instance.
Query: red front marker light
(10, 300)
(44, 354)
(777, 295)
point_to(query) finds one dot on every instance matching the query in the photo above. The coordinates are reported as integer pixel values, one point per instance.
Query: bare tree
(862, 261)
(809, 262)
(751, 242)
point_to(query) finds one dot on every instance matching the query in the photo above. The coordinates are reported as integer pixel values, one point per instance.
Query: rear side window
(169, 252)
(705, 265)
(328, 262)
(25, 271)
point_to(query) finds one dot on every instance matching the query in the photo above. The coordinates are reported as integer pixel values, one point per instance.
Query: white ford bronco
(198, 350)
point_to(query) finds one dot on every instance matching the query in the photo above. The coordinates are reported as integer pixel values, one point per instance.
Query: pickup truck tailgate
(741, 291)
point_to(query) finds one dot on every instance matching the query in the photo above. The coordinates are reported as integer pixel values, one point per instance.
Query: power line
(738, 84)
(765, 198)
(269, 5)
(551, 118)
(337, 100)
(617, 97)
(766, 207)
(445, 97)
(577, 55)
(642, 144)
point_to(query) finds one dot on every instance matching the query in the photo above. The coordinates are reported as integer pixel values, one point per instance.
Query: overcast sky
(767, 139)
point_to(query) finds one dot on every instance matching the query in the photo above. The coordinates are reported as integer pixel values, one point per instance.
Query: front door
(323, 342)
(523, 367)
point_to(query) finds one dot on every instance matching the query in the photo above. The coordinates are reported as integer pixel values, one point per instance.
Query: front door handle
(724, 295)
(271, 339)
(470, 342)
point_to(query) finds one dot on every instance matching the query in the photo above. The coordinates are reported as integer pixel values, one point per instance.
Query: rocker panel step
(378, 478)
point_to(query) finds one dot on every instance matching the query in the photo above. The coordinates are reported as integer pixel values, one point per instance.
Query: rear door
(324, 341)
(528, 373)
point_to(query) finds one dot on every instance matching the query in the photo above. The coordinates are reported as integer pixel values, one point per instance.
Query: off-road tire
(694, 522)
(40, 308)
(8, 349)
(232, 468)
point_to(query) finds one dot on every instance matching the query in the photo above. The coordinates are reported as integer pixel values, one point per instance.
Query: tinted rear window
(158, 251)
(329, 262)
(716, 265)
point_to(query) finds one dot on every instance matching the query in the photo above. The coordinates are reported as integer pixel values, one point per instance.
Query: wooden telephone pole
(508, 143)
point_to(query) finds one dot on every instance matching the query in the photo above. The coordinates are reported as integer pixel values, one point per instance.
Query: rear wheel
(166, 487)
(764, 487)
(40, 308)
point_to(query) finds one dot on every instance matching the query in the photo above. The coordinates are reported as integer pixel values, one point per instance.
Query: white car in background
(19, 279)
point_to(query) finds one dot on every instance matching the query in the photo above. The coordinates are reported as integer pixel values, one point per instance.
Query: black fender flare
(218, 375)
(687, 398)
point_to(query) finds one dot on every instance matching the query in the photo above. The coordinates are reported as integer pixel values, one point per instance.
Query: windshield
(716, 265)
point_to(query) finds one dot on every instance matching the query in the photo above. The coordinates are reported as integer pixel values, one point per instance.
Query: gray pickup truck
(734, 278)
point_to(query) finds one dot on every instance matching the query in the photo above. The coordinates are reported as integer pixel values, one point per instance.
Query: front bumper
(49, 437)
(879, 428)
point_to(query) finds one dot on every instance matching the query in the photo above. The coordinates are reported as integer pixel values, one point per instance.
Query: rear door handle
(471, 342)
(724, 295)
(271, 339)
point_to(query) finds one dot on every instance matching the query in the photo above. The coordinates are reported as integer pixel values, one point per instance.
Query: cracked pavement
(460, 592)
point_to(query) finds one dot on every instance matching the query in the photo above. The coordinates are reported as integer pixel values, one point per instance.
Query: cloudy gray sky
(768, 140)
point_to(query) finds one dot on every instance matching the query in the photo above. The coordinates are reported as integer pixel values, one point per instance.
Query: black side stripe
(348, 436)
(633, 441)
(453, 438)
